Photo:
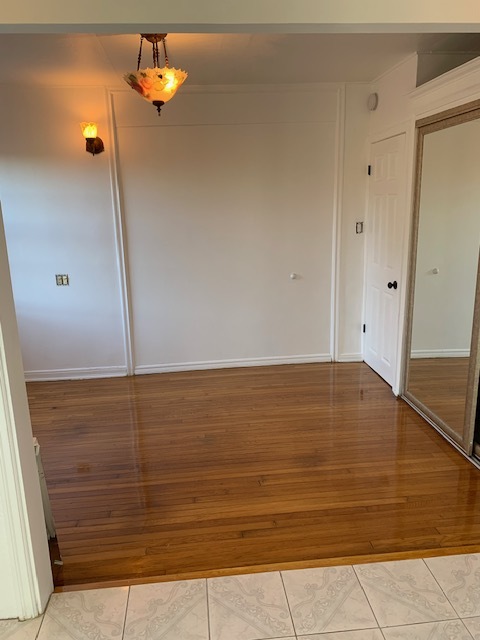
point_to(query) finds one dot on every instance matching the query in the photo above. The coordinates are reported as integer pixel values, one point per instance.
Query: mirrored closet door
(442, 364)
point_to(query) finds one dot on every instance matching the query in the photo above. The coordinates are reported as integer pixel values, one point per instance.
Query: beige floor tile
(459, 577)
(83, 615)
(168, 610)
(403, 592)
(364, 634)
(328, 599)
(15, 630)
(450, 630)
(248, 607)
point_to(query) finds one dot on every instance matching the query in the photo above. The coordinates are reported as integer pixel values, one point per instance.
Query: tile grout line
(288, 605)
(366, 596)
(425, 623)
(126, 612)
(37, 635)
(474, 637)
(461, 620)
(440, 587)
(382, 634)
(208, 609)
(467, 629)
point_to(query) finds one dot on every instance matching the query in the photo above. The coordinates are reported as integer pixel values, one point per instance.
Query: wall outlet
(62, 280)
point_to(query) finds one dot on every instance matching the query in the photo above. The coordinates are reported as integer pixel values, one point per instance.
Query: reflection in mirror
(446, 270)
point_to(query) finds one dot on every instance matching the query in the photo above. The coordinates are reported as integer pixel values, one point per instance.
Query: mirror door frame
(437, 122)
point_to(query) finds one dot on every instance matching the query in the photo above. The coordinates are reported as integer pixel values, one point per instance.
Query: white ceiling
(87, 60)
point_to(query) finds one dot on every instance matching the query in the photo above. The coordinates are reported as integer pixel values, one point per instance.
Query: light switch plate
(62, 280)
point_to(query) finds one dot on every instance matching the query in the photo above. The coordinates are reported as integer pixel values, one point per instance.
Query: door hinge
(364, 328)
(369, 170)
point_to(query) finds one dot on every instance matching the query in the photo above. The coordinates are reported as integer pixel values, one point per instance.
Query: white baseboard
(350, 357)
(75, 374)
(113, 372)
(226, 364)
(441, 353)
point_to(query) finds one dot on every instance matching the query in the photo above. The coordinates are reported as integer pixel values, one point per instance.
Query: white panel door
(384, 246)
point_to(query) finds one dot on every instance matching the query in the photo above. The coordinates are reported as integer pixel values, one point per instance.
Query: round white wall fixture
(372, 102)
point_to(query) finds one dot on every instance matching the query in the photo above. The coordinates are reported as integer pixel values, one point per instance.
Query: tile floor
(431, 599)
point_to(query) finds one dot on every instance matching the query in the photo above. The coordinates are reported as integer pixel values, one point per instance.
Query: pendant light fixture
(158, 84)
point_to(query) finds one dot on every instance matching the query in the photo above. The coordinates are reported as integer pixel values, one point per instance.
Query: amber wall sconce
(94, 144)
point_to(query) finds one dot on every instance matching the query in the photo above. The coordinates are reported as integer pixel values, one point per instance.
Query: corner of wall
(351, 244)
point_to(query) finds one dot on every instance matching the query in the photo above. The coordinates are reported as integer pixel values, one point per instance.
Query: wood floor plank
(206, 472)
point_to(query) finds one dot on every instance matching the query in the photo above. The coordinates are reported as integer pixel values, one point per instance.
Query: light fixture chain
(140, 53)
(156, 60)
(167, 64)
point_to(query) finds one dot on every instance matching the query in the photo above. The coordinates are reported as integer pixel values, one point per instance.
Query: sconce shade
(94, 145)
(89, 129)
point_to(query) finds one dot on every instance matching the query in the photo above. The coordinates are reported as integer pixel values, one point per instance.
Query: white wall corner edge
(75, 374)
(227, 364)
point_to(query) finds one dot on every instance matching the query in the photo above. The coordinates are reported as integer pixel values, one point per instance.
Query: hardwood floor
(200, 473)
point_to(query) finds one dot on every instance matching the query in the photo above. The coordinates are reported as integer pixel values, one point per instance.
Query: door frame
(453, 89)
(26, 575)
(437, 122)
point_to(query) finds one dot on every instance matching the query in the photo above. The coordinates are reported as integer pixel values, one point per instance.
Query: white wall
(448, 240)
(393, 112)
(224, 196)
(352, 210)
(57, 206)
(259, 178)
